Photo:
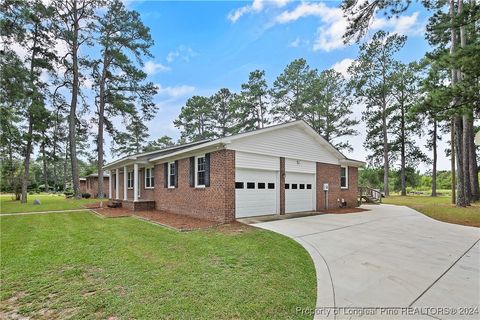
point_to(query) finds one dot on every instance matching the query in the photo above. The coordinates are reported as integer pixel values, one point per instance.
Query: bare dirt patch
(233, 228)
(344, 210)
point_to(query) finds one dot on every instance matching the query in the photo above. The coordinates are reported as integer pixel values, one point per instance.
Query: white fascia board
(185, 153)
(352, 163)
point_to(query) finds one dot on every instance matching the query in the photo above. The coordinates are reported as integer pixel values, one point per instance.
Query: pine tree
(224, 116)
(290, 91)
(194, 119)
(372, 78)
(123, 38)
(329, 108)
(252, 102)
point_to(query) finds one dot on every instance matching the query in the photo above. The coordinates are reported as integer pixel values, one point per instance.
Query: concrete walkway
(389, 263)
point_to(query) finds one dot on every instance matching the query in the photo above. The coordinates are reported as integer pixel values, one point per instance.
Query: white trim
(125, 191)
(151, 170)
(110, 186)
(135, 182)
(346, 177)
(117, 174)
(169, 171)
(196, 171)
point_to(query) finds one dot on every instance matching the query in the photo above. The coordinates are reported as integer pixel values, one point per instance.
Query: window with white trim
(200, 171)
(171, 174)
(149, 178)
(344, 177)
(130, 180)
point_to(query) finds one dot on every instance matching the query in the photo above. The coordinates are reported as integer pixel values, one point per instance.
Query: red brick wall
(215, 203)
(330, 173)
(92, 186)
(83, 186)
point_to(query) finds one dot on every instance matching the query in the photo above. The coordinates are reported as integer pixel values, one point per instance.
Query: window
(200, 168)
(149, 178)
(261, 185)
(302, 186)
(250, 185)
(309, 186)
(130, 180)
(171, 174)
(238, 185)
(344, 177)
(294, 186)
(271, 185)
(287, 185)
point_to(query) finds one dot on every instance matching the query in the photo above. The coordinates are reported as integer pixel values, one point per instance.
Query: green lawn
(439, 208)
(79, 265)
(48, 202)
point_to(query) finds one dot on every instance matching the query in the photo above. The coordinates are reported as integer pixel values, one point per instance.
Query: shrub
(86, 195)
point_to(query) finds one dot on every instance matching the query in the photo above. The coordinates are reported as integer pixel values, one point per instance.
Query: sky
(201, 47)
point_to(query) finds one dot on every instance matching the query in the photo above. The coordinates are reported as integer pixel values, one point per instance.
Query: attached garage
(256, 192)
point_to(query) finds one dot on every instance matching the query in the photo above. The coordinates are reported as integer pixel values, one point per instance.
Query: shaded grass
(48, 202)
(82, 266)
(439, 208)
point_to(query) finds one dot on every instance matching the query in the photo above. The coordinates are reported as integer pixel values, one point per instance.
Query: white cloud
(295, 43)
(256, 7)
(175, 91)
(329, 35)
(342, 66)
(151, 68)
(183, 52)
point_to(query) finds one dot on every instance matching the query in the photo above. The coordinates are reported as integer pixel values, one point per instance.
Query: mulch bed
(175, 221)
(344, 210)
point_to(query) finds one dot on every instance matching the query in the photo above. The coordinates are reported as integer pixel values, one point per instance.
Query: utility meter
(325, 187)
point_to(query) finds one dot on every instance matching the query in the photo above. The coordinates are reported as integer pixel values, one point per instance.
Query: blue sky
(201, 47)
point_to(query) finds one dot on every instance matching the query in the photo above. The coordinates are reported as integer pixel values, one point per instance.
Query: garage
(256, 192)
(299, 192)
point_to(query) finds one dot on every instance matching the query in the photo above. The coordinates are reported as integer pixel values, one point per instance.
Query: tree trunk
(386, 166)
(452, 161)
(473, 169)
(26, 163)
(434, 165)
(44, 160)
(73, 106)
(28, 151)
(402, 155)
(101, 113)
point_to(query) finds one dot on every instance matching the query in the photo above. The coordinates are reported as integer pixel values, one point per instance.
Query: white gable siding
(256, 161)
(293, 165)
(291, 142)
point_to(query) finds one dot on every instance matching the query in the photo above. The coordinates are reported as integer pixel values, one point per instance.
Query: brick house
(276, 170)
(89, 184)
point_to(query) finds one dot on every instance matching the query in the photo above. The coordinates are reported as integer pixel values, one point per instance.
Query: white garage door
(299, 192)
(255, 192)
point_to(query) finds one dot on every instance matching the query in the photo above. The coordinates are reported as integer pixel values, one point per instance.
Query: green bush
(86, 195)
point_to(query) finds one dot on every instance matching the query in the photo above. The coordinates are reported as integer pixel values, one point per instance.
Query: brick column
(282, 185)
(229, 169)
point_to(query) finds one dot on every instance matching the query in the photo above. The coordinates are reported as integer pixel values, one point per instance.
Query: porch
(134, 205)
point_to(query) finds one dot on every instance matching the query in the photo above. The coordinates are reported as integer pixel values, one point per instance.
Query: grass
(78, 265)
(439, 208)
(48, 202)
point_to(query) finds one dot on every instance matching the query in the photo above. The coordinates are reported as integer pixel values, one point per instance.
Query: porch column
(125, 183)
(110, 184)
(135, 182)
(116, 183)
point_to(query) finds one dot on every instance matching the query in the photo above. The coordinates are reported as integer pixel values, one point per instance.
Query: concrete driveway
(389, 263)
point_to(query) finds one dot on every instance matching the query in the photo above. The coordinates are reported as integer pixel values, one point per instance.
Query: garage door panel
(299, 192)
(255, 192)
